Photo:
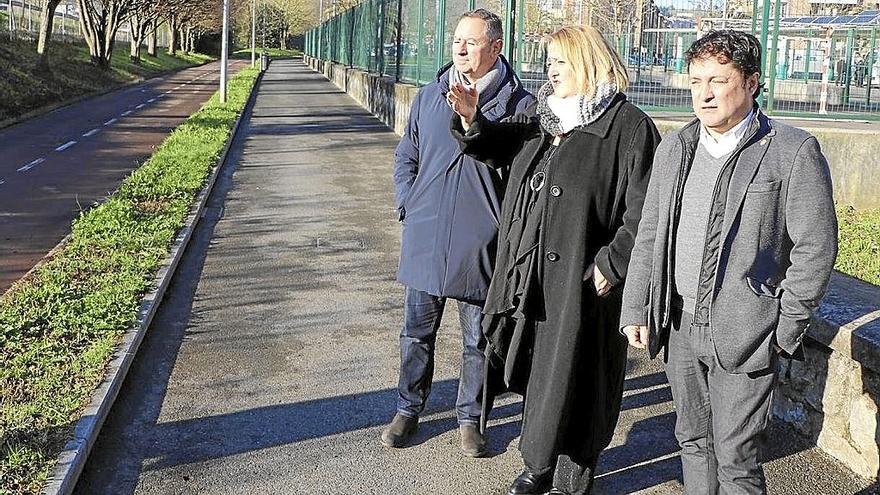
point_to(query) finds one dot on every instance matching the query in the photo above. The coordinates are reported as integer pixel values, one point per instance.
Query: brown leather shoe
(472, 442)
(399, 431)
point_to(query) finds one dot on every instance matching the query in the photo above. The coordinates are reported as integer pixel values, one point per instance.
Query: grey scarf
(588, 110)
(487, 85)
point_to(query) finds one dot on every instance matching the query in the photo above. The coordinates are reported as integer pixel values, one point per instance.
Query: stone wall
(832, 396)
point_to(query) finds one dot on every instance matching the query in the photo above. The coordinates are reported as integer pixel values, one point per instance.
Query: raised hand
(463, 101)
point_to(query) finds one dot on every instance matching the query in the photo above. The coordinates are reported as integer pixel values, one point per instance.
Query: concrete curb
(70, 462)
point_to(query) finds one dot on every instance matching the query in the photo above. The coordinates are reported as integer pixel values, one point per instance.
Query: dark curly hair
(727, 45)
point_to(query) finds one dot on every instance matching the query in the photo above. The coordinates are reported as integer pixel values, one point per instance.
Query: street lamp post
(224, 52)
(253, 33)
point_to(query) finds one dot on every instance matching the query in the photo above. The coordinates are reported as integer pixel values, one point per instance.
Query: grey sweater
(690, 235)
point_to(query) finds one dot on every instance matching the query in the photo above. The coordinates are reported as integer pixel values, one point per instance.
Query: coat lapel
(746, 167)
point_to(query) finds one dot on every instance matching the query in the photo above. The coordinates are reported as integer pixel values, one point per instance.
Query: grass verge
(25, 87)
(272, 52)
(859, 241)
(59, 327)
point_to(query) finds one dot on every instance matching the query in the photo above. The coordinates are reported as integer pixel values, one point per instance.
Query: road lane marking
(32, 164)
(168, 92)
(139, 106)
(125, 113)
(111, 121)
(65, 146)
(2, 182)
(151, 100)
(92, 132)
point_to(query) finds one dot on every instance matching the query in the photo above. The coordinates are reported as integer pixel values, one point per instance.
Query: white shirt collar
(726, 142)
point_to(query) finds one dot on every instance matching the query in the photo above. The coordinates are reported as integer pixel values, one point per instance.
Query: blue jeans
(422, 315)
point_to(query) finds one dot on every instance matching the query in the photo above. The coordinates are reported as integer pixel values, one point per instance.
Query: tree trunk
(171, 22)
(136, 27)
(151, 39)
(47, 19)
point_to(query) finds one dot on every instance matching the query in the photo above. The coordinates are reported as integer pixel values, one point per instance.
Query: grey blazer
(778, 246)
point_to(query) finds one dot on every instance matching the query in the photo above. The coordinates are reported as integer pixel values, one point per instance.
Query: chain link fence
(820, 59)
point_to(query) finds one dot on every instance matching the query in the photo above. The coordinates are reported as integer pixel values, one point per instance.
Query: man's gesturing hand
(463, 101)
(637, 335)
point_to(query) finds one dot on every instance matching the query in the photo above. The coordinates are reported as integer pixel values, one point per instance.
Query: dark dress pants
(422, 315)
(721, 416)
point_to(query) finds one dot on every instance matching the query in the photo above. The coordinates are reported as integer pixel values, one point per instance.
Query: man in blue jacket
(449, 206)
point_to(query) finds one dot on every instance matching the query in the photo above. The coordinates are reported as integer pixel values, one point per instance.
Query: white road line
(168, 92)
(92, 132)
(151, 100)
(65, 146)
(32, 164)
(2, 182)
(139, 106)
(112, 121)
(127, 112)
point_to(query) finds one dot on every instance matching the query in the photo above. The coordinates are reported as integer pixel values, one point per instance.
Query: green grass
(272, 52)
(859, 243)
(24, 87)
(60, 326)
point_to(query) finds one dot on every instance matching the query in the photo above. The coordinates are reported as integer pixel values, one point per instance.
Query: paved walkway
(271, 366)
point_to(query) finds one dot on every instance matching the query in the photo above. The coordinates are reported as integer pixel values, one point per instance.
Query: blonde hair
(590, 57)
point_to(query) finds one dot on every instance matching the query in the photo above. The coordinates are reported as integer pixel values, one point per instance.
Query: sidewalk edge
(70, 462)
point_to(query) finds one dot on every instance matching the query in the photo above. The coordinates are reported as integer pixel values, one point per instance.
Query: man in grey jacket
(449, 205)
(734, 251)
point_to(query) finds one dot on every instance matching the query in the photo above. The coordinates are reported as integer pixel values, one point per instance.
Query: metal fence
(820, 59)
(21, 18)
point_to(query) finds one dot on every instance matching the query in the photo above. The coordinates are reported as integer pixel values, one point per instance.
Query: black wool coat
(572, 356)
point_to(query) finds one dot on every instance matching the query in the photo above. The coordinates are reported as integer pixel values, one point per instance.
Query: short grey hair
(494, 27)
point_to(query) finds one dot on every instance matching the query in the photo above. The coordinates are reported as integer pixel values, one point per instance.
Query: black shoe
(529, 483)
(400, 431)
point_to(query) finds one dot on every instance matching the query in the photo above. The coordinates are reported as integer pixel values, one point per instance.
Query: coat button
(551, 256)
(556, 191)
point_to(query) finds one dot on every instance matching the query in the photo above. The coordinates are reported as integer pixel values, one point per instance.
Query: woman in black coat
(578, 161)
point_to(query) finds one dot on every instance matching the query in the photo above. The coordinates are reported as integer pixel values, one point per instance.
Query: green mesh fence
(820, 59)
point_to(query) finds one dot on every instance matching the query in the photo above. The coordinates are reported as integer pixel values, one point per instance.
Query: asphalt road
(271, 366)
(55, 165)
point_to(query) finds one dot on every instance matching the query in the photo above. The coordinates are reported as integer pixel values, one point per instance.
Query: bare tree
(142, 22)
(99, 21)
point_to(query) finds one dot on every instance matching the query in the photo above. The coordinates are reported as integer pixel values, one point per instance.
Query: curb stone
(70, 462)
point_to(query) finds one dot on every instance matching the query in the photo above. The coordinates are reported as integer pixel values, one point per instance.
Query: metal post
(420, 40)
(871, 58)
(440, 36)
(472, 4)
(509, 12)
(847, 79)
(399, 50)
(807, 59)
(754, 16)
(520, 38)
(224, 52)
(253, 33)
(765, 27)
(380, 66)
(770, 93)
(320, 46)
